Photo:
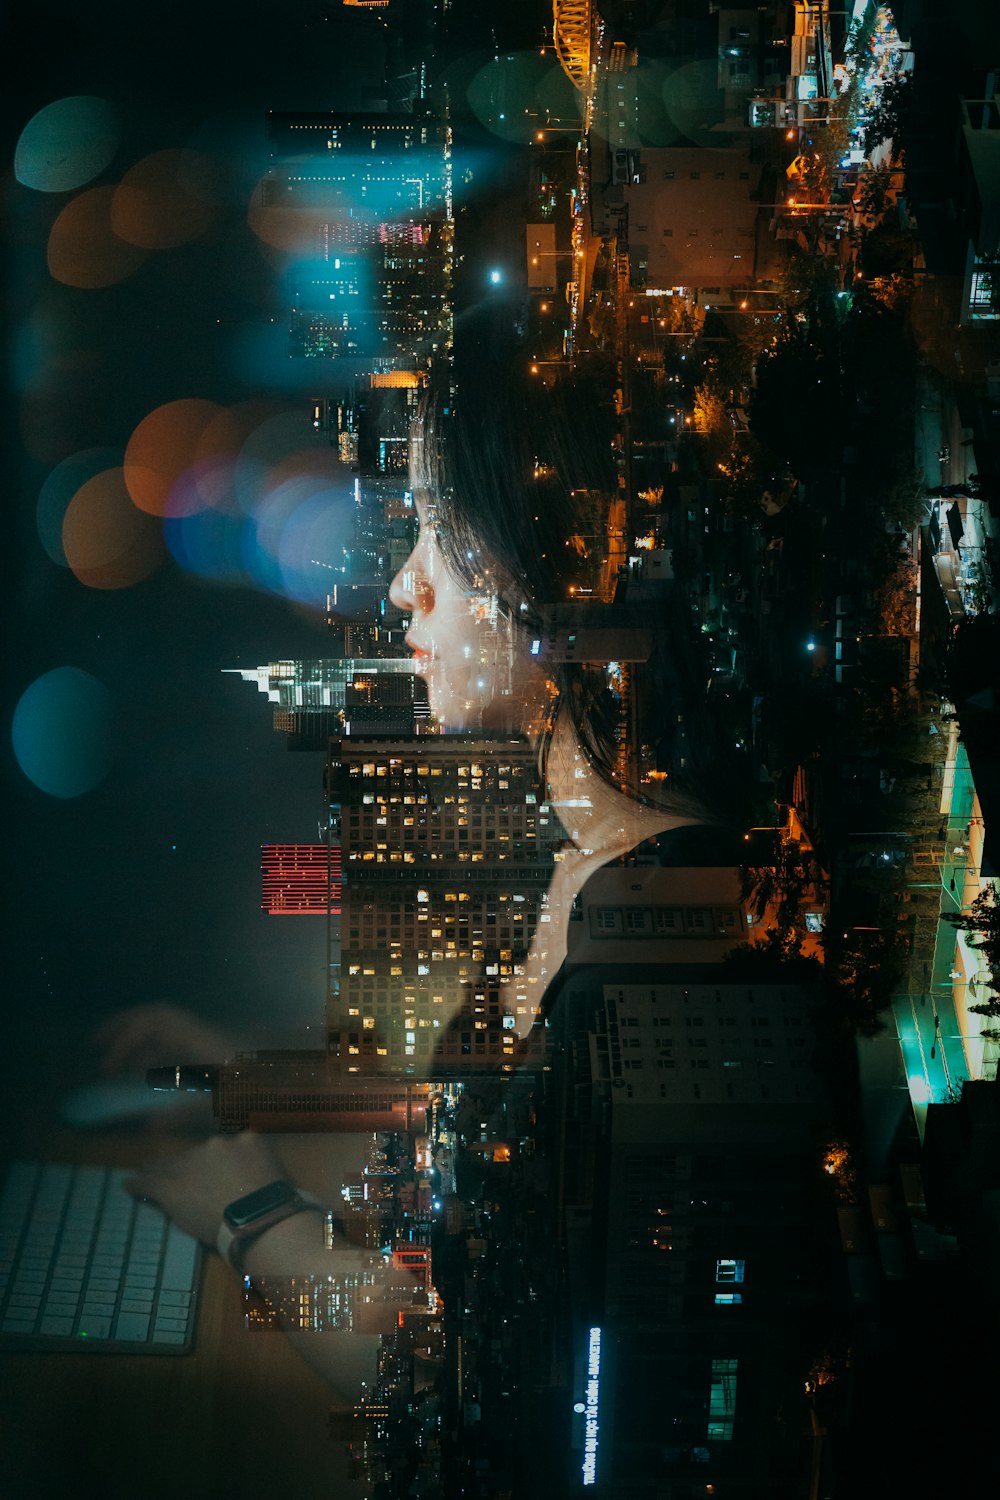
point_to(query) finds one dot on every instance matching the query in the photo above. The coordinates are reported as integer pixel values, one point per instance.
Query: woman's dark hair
(515, 469)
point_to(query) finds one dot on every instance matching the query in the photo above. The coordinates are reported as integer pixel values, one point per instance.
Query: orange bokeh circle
(108, 543)
(164, 200)
(162, 448)
(83, 249)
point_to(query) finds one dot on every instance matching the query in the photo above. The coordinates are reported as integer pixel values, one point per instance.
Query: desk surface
(241, 1418)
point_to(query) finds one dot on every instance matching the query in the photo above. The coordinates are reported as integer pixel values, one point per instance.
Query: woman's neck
(602, 821)
(603, 824)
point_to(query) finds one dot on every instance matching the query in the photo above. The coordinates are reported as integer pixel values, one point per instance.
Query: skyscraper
(300, 879)
(448, 847)
(368, 196)
(315, 700)
(304, 1091)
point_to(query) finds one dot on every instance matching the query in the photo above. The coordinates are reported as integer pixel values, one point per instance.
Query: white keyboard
(83, 1266)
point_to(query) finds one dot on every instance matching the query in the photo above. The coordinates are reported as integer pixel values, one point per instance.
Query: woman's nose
(411, 589)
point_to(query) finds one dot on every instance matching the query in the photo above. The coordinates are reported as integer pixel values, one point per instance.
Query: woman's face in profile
(465, 647)
(449, 632)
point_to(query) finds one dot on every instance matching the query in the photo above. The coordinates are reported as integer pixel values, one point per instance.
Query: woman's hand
(193, 1187)
(148, 1036)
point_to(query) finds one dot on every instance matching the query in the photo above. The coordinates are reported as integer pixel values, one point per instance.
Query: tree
(982, 923)
(709, 411)
(867, 970)
(896, 600)
(810, 180)
(889, 117)
(858, 45)
(803, 278)
(873, 191)
(777, 890)
(601, 321)
(893, 292)
(887, 251)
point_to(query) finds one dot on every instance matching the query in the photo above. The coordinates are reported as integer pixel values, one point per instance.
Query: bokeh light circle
(63, 732)
(61, 484)
(218, 448)
(514, 93)
(210, 544)
(302, 525)
(83, 249)
(279, 225)
(66, 144)
(161, 450)
(107, 542)
(165, 200)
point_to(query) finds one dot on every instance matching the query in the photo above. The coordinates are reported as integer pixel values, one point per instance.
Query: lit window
(729, 1270)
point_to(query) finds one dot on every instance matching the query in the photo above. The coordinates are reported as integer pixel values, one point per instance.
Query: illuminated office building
(315, 700)
(365, 161)
(448, 849)
(368, 639)
(360, 1301)
(371, 194)
(713, 1237)
(304, 1091)
(327, 324)
(300, 879)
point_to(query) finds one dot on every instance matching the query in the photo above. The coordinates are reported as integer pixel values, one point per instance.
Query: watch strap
(232, 1243)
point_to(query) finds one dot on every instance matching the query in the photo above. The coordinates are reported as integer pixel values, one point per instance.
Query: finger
(145, 1015)
(126, 1034)
(139, 1187)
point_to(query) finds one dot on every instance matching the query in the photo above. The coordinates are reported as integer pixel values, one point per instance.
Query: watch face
(258, 1204)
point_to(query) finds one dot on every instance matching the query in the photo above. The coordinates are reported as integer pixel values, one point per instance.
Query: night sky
(146, 886)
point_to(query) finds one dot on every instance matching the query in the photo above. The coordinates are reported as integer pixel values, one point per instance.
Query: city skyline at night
(578, 422)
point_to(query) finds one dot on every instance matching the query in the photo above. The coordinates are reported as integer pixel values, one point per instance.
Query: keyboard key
(175, 1299)
(76, 1244)
(62, 1299)
(11, 1324)
(94, 1328)
(111, 1244)
(179, 1263)
(166, 1337)
(56, 1327)
(103, 1284)
(148, 1216)
(140, 1304)
(26, 1303)
(101, 1299)
(66, 1283)
(169, 1325)
(140, 1281)
(132, 1327)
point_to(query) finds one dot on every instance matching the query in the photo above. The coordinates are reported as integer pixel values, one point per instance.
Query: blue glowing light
(63, 732)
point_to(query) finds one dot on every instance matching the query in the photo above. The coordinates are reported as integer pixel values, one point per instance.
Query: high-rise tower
(448, 848)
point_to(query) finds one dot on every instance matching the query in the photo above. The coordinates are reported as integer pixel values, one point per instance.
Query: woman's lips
(420, 652)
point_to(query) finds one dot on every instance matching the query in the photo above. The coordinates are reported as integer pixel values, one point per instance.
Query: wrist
(247, 1219)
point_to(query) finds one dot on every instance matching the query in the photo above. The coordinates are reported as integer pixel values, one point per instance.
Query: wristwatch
(246, 1218)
